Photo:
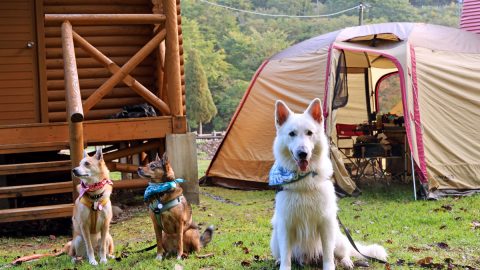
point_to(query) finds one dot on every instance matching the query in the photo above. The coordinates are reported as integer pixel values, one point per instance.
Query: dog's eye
(309, 133)
(86, 163)
(152, 166)
(292, 134)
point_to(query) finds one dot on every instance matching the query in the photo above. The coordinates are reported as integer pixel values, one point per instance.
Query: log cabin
(68, 66)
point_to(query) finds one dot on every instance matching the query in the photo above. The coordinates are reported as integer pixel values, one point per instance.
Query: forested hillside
(232, 44)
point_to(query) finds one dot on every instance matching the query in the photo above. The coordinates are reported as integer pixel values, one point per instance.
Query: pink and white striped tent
(439, 71)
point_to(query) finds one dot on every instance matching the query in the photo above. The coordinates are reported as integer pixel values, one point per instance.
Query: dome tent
(439, 71)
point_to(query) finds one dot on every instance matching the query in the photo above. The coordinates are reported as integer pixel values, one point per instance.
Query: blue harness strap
(155, 205)
(281, 176)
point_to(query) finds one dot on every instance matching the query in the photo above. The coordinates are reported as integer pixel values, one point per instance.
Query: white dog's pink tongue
(302, 164)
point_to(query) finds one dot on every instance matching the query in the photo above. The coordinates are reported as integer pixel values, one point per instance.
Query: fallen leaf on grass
(238, 243)
(389, 241)
(245, 250)
(426, 260)
(447, 207)
(443, 227)
(442, 245)
(414, 249)
(203, 256)
(387, 266)
(246, 263)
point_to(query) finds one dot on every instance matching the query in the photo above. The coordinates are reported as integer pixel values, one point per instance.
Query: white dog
(305, 223)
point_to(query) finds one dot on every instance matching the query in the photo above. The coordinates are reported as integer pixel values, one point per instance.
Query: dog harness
(94, 202)
(279, 175)
(156, 190)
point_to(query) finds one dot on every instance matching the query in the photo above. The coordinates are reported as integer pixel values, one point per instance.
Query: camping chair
(346, 132)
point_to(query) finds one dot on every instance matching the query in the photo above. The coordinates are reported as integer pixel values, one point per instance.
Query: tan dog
(93, 211)
(170, 212)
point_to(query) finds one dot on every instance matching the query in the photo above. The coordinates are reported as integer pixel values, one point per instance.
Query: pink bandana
(84, 187)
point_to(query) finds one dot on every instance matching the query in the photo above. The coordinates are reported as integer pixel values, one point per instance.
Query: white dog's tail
(374, 251)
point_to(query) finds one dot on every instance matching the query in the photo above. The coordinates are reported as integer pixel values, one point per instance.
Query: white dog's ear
(99, 154)
(282, 112)
(315, 110)
(157, 157)
(85, 154)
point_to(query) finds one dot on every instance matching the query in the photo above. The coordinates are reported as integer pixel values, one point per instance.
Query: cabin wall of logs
(118, 38)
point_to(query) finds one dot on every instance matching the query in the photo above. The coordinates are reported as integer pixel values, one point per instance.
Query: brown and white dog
(92, 212)
(171, 214)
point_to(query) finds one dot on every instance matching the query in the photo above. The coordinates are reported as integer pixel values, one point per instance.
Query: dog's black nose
(302, 154)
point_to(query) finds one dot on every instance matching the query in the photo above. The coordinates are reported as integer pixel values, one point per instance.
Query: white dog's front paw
(93, 262)
(159, 257)
(103, 260)
(111, 256)
(347, 263)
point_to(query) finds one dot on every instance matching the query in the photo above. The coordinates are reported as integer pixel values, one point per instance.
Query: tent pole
(413, 178)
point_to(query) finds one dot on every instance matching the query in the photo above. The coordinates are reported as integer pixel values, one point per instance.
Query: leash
(350, 239)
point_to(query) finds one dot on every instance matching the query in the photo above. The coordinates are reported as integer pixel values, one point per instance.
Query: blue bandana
(281, 176)
(155, 188)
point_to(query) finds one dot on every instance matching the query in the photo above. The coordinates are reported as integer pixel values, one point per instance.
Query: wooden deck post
(182, 153)
(76, 150)
(172, 58)
(74, 101)
(72, 86)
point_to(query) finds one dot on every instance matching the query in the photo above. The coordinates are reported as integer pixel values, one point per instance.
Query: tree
(200, 106)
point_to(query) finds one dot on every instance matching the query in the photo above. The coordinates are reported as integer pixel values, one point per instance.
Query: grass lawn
(409, 230)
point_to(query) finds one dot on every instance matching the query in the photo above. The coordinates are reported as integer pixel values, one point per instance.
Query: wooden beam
(172, 58)
(128, 80)
(122, 167)
(95, 131)
(76, 151)
(131, 150)
(130, 183)
(42, 80)
(123, 72)
(72, 86)
(92, 19)
(35, 189)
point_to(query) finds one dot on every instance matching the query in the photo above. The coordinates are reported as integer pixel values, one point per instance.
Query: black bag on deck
(136, 111)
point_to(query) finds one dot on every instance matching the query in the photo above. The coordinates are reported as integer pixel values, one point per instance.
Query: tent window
(389, 95)
(340, 92)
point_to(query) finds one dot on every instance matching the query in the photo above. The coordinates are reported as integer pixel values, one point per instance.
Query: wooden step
(35, 167)
(36, 212)
(36, 189)
(33, 147)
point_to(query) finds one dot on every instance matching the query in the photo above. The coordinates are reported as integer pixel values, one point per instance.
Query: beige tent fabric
(341, 176)
(449, 85)
(247, 150)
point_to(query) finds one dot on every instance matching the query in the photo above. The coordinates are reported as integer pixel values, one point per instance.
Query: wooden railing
(76, 109)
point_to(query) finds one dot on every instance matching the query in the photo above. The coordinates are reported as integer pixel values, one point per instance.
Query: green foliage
(201, 108)
(231, 45)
